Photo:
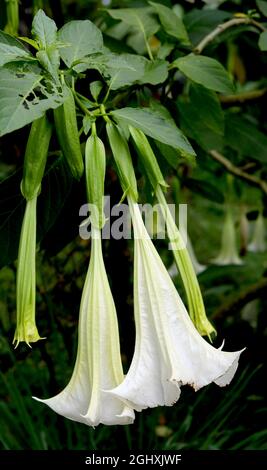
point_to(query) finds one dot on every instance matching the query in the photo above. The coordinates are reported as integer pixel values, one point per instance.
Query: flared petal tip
(26, 339)
(94, 419)
(228, 261)
(227, 377)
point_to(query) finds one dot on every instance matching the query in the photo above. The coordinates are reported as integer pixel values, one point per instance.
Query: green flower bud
(95, 166)
(148, 158)
(122, 157)
(35, 157)
(68, 135)
(26, 329)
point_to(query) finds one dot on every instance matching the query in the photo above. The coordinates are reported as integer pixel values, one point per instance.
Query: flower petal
(98, 364)
(169, 351)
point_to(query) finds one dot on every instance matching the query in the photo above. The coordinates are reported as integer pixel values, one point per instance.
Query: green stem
(82, 106)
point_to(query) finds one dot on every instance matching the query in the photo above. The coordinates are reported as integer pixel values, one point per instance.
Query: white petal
(98, 364)
(169, 351)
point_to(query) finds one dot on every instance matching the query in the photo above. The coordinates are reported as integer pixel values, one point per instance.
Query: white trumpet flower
(228, 253)
(98, 364)
(258, 243)
(169, 351)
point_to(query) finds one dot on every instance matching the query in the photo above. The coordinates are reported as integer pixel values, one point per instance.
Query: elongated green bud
(26, 329)
(148, 158)
(12, 13)
(122, 157)
(35, 157)
(68, 135)
(95, 167)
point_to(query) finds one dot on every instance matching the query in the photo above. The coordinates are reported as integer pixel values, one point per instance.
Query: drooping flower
(26, 329)
(228, 252)
(258, 243)
(98, 363)
(169, 351)
(180, 251)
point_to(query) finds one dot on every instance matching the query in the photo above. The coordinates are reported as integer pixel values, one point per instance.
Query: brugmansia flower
(181, 254)
(228, 253)
(26, 329)
(98, 364)
(258, 243)
(169, 352)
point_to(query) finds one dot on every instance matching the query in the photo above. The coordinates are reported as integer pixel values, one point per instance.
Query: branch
(242, 97)
(223, 27)
(254, 180)
(236, 302)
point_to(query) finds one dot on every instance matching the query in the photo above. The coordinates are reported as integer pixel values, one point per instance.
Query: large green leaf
(125, 69)
(80, 38)
(44, 30)
(11, 49)
(243, 136)
(154, 125)
(25, 95)
(207, 108)
(141, 21)
(172, 23)
(205, 71)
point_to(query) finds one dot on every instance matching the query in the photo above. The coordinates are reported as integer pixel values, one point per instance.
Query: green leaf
(50, 61)
(80, 38)
(155, 72)
(175, 156)
(172, 23)
(95, 89)
(25, 95)
(121, 70)
(164, 50)
(243, 136)
(11, 49)
(154, 125)
(194, 128)
(141, 21)
(87, 123)
(199, 23)
(263, 41)
(44, 30)
(205, 71)
(262, 6)
(207, 107)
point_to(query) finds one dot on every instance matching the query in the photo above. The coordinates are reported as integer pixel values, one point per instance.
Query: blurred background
(233, 278)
